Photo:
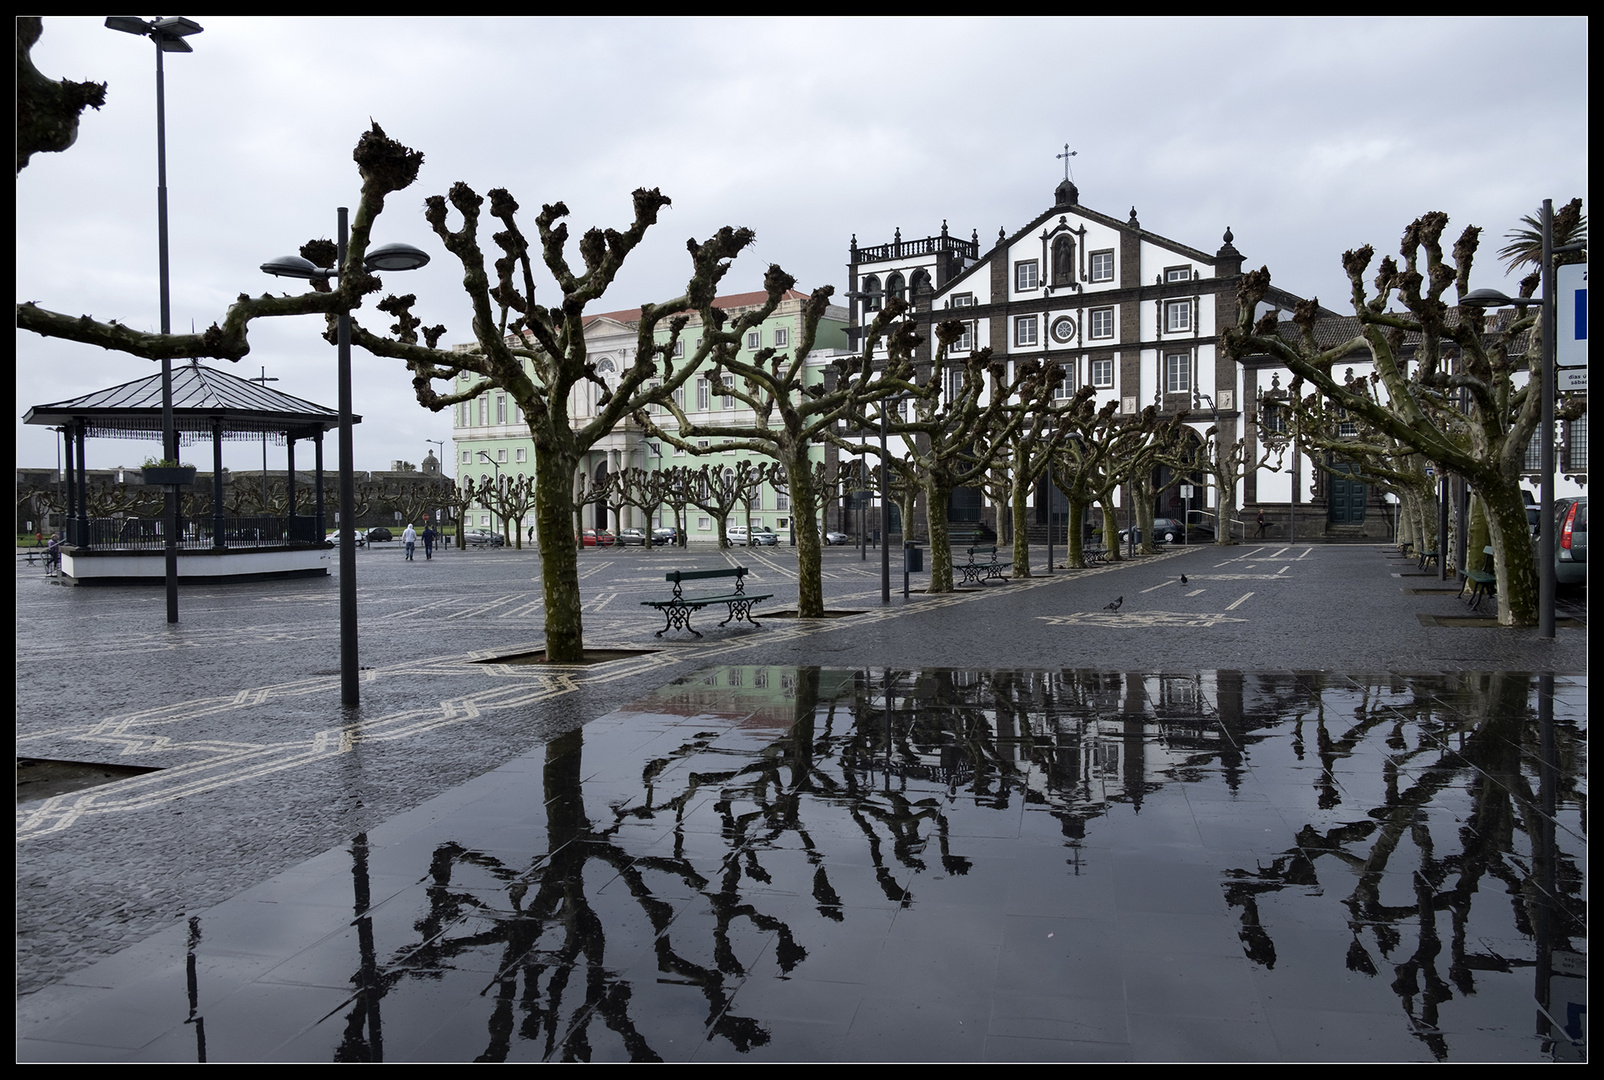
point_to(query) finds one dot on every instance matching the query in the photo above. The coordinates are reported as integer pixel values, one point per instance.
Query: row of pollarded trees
(1442, 387)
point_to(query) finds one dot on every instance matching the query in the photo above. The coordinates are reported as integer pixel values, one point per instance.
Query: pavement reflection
(837, 864)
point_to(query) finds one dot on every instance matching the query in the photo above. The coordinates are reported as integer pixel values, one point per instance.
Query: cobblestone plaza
(1297, 809)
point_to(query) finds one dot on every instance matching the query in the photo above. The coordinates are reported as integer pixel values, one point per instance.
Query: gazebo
(207, 404)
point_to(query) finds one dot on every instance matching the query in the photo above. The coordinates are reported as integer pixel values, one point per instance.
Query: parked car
(597, 538)
(485, 538)
(379, 535)
(636, 537)
(1165, 531)
(764, 538)
(1570, 541)
(663, 537)
(361, 537)
(736, 535)
(831, 538)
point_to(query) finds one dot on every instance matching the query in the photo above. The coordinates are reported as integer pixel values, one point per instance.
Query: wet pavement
(1088, 843)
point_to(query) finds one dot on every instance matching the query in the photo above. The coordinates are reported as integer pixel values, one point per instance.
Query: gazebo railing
(196, 534)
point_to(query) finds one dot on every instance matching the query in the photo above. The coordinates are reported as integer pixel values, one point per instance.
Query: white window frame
(729, 384)
(501, 455)
(704, 395)
(1177, 373)
(1174, 274)
(1103, 372)
(1102, 323)
(754, 339)
(963, 299)
(966, 342)
(1027, 275)
(522, 455)
(501, 408)
(679, 348)
(1026, 331)
(1103, 265)
(467, 457)
(782, 337)
(1177, 316)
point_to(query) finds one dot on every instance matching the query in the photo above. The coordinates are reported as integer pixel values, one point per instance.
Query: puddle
(826, 864)
(39, 779)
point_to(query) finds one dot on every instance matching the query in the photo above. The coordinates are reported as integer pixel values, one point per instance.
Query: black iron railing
(142, 533)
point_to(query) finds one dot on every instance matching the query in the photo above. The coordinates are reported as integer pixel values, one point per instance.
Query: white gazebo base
(126, 567)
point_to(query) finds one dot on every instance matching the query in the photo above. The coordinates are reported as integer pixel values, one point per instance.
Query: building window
(484, 411)
(467, 457)
(1066, 384)
(703, 524)
(523, 455)
(729, 383)
(1027, 275)
(679, 348)
(1103, 371)
(1178, 373)
(1177, 273)
(1102, 266)
(484, 519)
(1025, 330)
(656, 406)
(1103, 322)
(679, 396)
(871, 293)
(703, 393)
(754, 339)
(1177, 316)
(782, 501)
(679, 451)
(966, 341)
(1273, 418)
(1575, 456)
(501, 455)
(895, 286)
(782, 337)
(1063, 329)
(963, 299)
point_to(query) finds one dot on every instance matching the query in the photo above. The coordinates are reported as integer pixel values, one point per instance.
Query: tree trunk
(1076, 560)
(936, 498)
(559, 556)
(1111, 542)
(805, 526)
(1017, 493)
(1513, 562)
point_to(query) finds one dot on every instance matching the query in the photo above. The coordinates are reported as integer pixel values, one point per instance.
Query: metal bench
(677, 608)
(978, 572)
(1483, 583)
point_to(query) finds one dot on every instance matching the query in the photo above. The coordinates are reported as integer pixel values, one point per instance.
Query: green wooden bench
(1483, 583)
(976, 572)
(677, 608)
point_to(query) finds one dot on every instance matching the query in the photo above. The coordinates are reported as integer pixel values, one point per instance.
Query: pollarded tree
(538, 354)
(791, 411)
(957, 431)
(1444, 385)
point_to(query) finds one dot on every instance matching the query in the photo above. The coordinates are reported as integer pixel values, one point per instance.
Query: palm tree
(1525, 247)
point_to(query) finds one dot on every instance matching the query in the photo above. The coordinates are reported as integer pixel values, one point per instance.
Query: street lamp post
(387, 257)
(168, 35)
(1485, 298)
(493, 465)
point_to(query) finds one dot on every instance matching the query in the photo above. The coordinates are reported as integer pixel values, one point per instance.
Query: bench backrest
(677, 576)
(983, 551)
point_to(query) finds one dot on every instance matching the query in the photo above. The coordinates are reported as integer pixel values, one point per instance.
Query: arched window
(895, 287)
(918, 284)
(1063, 261)
(871, 293)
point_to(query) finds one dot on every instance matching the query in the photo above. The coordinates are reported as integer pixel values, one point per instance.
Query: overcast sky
(1305, 137)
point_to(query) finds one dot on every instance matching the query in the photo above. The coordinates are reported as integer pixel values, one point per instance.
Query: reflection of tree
(1479, 739)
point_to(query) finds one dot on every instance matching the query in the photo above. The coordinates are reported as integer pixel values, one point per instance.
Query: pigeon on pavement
(1115, 605)
(1183, 579)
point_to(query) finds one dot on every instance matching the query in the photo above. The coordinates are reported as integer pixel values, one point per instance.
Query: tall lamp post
(387, 257)
(168, 35)
(484, 456)
(1486, 298)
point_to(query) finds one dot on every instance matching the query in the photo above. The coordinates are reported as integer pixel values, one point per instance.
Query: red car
(597, 538)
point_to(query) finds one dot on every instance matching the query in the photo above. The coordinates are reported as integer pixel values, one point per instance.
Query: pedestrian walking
(1261, 523)
(410, 535)
(428, 541)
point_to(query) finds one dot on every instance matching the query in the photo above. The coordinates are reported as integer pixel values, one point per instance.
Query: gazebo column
(83, 491)
(289, 487)
(217, 482)
(68, 526)
(317, 448)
